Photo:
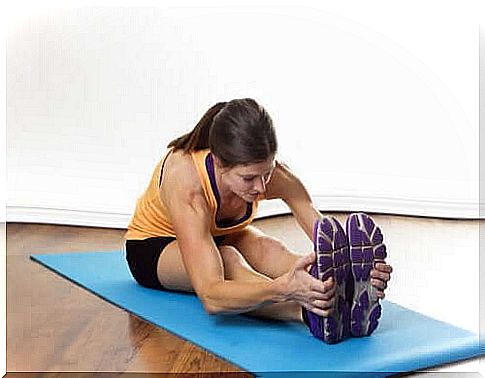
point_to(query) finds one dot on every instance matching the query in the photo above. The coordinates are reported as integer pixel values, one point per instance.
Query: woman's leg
(172, 275)
(264, 253)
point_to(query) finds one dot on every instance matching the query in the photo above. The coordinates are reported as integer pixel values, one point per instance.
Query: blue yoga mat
(405, 340)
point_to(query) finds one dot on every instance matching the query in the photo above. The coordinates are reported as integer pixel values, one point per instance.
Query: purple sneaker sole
(366, 248)
(333, 260)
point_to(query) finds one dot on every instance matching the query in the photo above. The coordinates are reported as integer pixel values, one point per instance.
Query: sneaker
(333, 260)
(366, 249)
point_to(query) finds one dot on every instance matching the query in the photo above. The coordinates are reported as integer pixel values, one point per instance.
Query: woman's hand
(311, 293)
(380, 275)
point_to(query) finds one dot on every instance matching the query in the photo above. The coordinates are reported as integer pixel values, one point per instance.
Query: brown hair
(237, 132)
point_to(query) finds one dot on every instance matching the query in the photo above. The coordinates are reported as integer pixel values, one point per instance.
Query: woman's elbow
(211, 309)
(210, 304)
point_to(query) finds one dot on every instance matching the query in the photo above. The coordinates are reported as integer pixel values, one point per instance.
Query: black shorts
(142, 257)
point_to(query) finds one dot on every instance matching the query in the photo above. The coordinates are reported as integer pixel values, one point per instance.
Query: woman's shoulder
(180, 173)
(282, 172)
(282, 180)
(181, 188)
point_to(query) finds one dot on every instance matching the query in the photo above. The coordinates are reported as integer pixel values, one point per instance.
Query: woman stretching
(191, 232)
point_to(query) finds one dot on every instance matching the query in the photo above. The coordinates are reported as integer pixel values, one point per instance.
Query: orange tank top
(152, 218)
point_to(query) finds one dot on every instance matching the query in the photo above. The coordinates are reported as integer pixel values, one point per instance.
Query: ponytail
(236, 132)
(198, 138)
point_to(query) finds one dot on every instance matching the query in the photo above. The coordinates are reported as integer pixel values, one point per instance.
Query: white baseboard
(120, 219)
(449, 209)
(31, 214)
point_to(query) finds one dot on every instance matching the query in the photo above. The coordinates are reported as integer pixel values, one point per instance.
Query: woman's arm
(191, 219)
(286, 186)
(205, 267)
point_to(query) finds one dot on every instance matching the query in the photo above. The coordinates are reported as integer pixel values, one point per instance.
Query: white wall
(376, 106)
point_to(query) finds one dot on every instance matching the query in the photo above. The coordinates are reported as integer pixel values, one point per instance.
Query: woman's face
(249, 181)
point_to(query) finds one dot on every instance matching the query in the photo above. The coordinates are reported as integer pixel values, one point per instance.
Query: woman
(191, 231)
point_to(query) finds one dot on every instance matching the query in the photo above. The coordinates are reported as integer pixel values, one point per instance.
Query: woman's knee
(231, 256)
(272, 244)
(275, 257)
(233, 260)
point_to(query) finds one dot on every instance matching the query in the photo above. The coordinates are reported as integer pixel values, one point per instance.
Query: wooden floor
(56, 326)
